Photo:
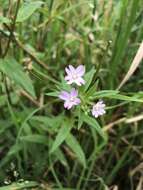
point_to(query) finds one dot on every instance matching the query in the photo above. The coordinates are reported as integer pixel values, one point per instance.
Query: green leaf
(4, 20)
(6, 123)
(40, 139)
(76, 148)
(91, 90)
(54, 94)
(105, 93)
(92, 122)
(88, 79)
(114, 94)
(49, 121)
(126, 98)
(18, 186)
(15, 72)
(64, 85)
(80, 119)
(27, 9)
(62, 135)
(13, 151)
(61, 157)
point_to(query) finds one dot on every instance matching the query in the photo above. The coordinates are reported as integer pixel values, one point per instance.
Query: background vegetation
(42, 146)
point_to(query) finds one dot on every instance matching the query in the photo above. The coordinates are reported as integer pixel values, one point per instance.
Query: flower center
(72, 99)
(96, 107)
(75, 76)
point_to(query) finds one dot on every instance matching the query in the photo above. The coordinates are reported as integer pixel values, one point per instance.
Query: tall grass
(44, 146)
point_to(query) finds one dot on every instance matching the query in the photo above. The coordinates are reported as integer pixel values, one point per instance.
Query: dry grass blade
(110, 125)
(123, 120)
(115, 188)
(140, 184)
(138, 168)
(136, 61)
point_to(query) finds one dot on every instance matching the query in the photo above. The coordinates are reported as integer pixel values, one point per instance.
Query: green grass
(44, 146)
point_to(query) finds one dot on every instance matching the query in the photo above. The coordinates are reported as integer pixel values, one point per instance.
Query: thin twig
(24, 93)
(30, 54)
(19, 44)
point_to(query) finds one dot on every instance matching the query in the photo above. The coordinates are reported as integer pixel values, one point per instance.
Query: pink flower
(71, 98)
(98, 109)
(74, 75)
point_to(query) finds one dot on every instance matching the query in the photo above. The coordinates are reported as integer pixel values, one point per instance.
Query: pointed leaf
(4, 20)
(92, 122)
(76, 148)
(15, 72)
(40, 139)
(27, 9)
(62, 135)
(88, 78)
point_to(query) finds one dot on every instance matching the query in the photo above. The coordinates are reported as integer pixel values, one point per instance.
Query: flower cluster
(71, 99)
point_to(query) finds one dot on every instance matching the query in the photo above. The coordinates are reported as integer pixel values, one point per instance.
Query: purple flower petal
(77, 101)
(98, 109)
(70, 105)
(68, 77)
(80, 70)
(81, 80)
(74, 92)
(70, 82)
(68, 71)
(71, 98)
(75, 75)
(78, 83)
(66, 104)
(64, 95)
(72, 69)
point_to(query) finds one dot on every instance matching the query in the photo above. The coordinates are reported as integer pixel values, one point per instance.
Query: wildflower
(98, 109)
(71, 98)
(74, 75)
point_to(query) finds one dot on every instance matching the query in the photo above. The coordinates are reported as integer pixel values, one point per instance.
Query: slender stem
(7, 90)
(55, 175)
(0, 47)
(12, 29)
(93, 13)
(20, 45)
(51, 5)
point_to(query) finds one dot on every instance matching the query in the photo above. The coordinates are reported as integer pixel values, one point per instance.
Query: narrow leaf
(114, 94)
(4, 20)
(76, 148)
(40, 139)
(88, 78)
(54, 94)
(27, 9)
(18, 186)
(104, 93)
(15, 72)
(92, 122)
(62, 135)
(126, 98)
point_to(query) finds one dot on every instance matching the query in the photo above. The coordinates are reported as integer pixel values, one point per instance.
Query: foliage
(43, 145)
